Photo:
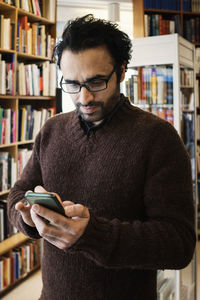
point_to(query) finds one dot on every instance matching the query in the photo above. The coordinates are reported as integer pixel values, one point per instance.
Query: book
(50, 8)
(2, 31)
(4, 179)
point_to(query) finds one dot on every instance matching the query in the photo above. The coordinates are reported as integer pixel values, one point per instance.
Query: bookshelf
(161, 79)
(27, 99)
(183, 12)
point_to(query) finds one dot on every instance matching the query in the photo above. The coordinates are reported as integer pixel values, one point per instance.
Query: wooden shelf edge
(35, 97)
(7, 6)
(2, 193)
(27, 97)
(17, 143)
(7, 50)
(32, 56)
(44, 20)
(191, 13)
(12, 242)
(7, 96)
(163, 11)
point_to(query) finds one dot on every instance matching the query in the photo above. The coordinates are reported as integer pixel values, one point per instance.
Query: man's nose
(85, 96)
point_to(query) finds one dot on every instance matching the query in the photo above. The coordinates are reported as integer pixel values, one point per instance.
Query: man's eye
(96, 82)
(73, 85)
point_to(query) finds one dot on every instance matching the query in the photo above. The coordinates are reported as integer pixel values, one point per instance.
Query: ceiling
(125, 4)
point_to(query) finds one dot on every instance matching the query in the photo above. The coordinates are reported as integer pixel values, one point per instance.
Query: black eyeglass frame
(84, 84)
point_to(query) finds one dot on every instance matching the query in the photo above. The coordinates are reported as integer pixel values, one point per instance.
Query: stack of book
(152, 85)
(17, 264)
(191, 29)
(162, 4)
(7, 126)
(35, 79)
(156, 24)
(7, 30)
(31, 120)
(6, 228)
(32, 38)
(8, 168)
(38, 7)
(7, 75)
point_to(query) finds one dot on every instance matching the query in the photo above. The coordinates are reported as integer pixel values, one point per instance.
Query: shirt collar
(89, 127)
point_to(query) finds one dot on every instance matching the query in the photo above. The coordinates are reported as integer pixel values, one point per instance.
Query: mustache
(91, 103)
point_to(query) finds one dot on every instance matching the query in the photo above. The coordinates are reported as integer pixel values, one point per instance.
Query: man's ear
(122, 73)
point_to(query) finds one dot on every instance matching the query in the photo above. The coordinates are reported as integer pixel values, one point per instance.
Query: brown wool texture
(134, 175)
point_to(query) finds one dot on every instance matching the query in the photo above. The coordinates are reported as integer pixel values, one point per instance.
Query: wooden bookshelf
(12, 242)
(139, 11)
(14, 100)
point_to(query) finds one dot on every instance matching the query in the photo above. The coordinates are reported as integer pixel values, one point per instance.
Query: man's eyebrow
(70, 81)
(98, 76)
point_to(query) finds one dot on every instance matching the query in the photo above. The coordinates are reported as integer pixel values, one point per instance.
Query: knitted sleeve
(31, 177)
(166, 238)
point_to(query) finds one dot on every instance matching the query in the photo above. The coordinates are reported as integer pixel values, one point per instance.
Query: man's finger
(67, 203)
(50, 215)
(77, 210)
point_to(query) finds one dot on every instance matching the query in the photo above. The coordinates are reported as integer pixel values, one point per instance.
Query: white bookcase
(178, 55)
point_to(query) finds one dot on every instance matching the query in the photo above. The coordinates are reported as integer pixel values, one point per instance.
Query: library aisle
(30, 289)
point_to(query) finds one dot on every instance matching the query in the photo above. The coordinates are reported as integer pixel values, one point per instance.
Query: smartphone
(48, 200)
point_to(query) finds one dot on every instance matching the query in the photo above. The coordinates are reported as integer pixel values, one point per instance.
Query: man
(123, 174)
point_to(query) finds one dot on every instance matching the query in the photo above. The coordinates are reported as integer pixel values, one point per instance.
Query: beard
(96, 111)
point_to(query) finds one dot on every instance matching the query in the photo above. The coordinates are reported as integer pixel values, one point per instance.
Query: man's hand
(25, 213)
(62, 232)
(25, 209)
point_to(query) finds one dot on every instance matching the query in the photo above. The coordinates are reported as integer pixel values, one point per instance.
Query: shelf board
(7, 97)
(161, 11)
(2, 50)
(153, 105)
(7, 7)
(25, 142)
(17, 144)
(31, 56)
(27, 97)
(191, 13)
(8, 145)
(34, 18)
(4, 192)
(186, 87)
(12, 242)
(35, 97)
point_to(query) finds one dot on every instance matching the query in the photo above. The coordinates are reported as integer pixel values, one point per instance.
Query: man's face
(86, 65)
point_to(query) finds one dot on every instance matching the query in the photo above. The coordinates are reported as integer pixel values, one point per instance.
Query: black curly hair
(88, 32)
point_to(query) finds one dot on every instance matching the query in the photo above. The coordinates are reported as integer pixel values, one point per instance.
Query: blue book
(145, 3)
(187, 5)
(157, 4)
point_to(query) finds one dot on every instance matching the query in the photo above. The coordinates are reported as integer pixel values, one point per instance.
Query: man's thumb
(39, 189)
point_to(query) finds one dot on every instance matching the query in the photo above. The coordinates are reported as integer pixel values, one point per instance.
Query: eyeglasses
(92, 85)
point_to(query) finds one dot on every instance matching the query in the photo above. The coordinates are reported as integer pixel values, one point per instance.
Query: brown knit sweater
(134, 175)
